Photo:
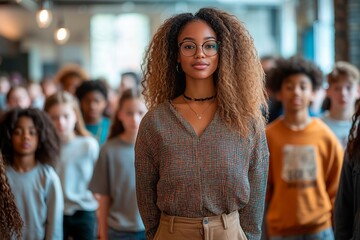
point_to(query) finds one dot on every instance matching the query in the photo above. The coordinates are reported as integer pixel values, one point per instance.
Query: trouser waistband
(223, 219)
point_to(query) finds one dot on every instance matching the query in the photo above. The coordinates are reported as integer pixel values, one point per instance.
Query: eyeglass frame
(196, 45)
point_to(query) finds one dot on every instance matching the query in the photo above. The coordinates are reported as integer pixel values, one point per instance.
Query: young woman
(347, 203)
(79, 152)
(10, 220)
(29, 144)
(201, 156)
(119, 214)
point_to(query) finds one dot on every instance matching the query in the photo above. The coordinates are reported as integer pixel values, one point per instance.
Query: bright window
(117, 44)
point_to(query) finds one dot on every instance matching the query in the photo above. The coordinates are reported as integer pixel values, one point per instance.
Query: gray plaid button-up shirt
(183, 174)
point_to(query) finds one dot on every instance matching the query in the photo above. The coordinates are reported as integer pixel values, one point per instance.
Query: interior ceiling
(35, 3)
(18, 16)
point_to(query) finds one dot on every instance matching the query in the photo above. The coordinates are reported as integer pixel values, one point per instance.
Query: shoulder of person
(274, 125)
(111, 143)
(47, 169)
(106, 121)
(156, 112)
(321, 125)
(89, 140)
(48, 172)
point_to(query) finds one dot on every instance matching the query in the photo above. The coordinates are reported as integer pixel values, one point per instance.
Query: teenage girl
(114, 174)
(29, 144)
(79, 152)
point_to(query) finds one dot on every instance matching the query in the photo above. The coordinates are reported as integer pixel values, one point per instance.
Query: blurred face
(71, 83)
(25, 137)
(93, 105)
(64, 119)
(296, 93)
(49, 88)
(197, 37)
(131, 113)
(19, 98)
(268, 64)
(127, 82)
(4, 86)
(35, 91)
(343, 94)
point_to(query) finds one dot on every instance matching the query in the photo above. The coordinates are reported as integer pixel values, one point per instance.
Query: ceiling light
(62, 34)
(44, 15)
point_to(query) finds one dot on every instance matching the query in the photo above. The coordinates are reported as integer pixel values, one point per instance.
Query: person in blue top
(92, 96)
(30, 147)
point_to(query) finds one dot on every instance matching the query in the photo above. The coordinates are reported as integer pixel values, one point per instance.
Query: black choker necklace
(199, 99)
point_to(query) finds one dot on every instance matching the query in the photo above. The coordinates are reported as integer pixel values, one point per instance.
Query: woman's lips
(200, 66)
(26, 145)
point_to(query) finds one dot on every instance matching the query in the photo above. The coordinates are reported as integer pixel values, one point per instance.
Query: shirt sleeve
(147, 176)
(251, 215)
(55, 208)
(99, 182)
(344, 219)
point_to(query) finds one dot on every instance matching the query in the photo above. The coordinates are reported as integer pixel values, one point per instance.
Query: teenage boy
(93, 101)
(343, 92)
(305, 159)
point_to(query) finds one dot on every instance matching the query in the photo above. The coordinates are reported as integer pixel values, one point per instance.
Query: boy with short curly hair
(305, 158)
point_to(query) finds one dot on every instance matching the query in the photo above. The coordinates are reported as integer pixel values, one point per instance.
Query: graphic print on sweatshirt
(299, 168)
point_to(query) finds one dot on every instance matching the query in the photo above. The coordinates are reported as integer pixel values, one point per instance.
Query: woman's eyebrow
(192, 39)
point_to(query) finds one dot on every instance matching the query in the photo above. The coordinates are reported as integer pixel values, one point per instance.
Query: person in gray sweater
(119, 213)
(30, 146)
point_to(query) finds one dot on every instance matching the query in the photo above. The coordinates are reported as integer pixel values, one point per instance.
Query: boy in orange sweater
(305, 158)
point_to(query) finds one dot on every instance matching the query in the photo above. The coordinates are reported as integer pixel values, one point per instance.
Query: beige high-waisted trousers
(222, 227)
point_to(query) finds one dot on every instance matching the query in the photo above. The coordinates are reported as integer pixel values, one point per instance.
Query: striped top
(183, 174)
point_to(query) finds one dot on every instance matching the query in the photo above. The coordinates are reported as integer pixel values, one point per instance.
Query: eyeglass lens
(209, 48)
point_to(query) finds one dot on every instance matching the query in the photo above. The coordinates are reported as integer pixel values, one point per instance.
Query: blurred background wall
(108, 37)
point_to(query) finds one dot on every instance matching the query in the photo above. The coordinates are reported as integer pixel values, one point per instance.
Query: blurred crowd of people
(68, 145)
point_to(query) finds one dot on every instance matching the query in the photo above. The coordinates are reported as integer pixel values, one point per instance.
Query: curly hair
(48, 149)
(91, 86)
(70, 70)
(292, 66)
(117, 127)
(63, 97)
(352, 148)
(239, 78)
(10, 220)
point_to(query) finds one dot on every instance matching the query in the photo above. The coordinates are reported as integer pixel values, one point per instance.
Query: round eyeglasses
(189, 48)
